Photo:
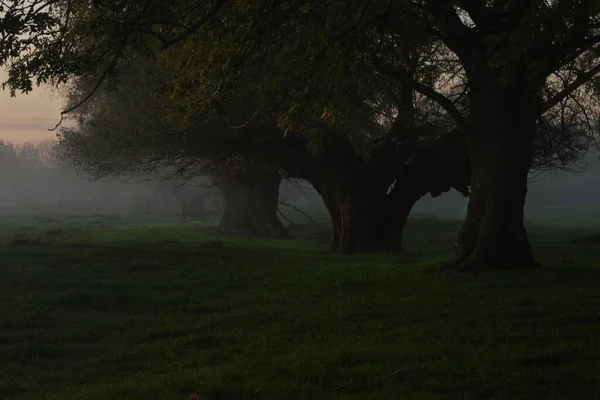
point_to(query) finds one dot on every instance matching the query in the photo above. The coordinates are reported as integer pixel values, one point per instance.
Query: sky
(28, 117)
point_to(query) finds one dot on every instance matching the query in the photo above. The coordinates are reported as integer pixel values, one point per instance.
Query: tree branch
(403, 77)
(100, 81)
(581, 80)
(193, 28)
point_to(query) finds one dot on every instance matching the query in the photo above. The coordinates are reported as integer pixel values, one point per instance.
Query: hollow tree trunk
(365, 221)
(252, 207)
(493, 235)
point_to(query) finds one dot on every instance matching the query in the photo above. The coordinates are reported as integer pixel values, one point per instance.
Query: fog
(34, 179)
(545, 189)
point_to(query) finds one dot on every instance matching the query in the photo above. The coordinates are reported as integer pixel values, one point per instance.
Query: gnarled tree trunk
(236, 209)
(493, 235)
(369, 216)
(250, 205)
(365, 220)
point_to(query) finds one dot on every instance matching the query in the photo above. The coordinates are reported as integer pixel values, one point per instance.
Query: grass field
(144, 307)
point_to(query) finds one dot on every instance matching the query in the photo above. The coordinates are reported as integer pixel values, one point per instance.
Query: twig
(283, 203)
(286, 218)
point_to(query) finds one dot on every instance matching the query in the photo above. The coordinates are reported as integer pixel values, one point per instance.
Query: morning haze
(28, 117)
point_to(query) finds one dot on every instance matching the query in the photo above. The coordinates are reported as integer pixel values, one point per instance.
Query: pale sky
(28, 117)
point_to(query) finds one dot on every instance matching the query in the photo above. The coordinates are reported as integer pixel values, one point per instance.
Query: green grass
(144, 307)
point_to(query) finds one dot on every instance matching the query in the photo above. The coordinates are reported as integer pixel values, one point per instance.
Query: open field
(144, 307)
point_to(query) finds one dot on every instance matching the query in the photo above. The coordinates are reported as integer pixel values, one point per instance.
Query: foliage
(344, 62)
(319, 42)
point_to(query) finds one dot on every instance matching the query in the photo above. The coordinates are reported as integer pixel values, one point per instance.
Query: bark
(363, 220)
(493, 235)
(368, 217)
(251, 207)
(236, 209)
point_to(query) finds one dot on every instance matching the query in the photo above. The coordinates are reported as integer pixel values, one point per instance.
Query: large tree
(369, 180)
(520, 59)
(251, 199)
(495, 67)
(125, 132)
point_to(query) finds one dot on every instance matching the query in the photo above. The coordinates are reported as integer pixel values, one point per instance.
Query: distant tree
(191, 200)
(125, 131)
(251, 199)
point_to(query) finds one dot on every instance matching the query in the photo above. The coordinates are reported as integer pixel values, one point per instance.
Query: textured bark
(236, 209)
(493, 235)
(251, 206)
(364, 220)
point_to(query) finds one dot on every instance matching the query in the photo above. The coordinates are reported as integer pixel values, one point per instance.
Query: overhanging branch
(404, 78)
(193, 28)
(581, 80)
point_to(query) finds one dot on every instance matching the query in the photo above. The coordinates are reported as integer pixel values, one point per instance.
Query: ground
(144, 307)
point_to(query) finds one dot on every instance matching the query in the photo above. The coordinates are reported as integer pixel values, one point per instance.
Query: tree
(510, 64)
(251, 200)
(352, 158)
(192, 200)
(511, 53)
(127, 129)
(368, 190)
(331, 56)
(123, 133)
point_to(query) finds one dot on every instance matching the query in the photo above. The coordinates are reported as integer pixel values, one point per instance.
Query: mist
(35, 180)
(546, 190)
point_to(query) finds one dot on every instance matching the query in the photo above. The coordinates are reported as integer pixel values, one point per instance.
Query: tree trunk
(493, 235)
(365, 221)
(252, 207)
(236, 209)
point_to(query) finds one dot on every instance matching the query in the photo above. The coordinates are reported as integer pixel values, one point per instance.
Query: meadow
(114, 307)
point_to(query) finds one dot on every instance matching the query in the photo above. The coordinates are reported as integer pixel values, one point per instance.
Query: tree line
(32, 178)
